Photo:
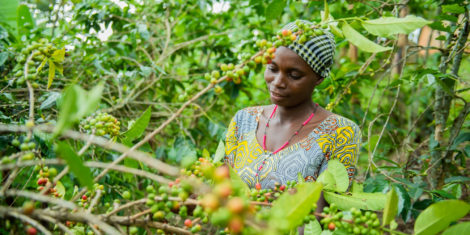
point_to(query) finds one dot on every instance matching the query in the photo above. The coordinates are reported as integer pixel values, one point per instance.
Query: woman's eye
(272, 68)
(295, 76)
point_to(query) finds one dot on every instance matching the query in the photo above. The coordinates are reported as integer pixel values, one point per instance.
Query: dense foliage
(113, 116)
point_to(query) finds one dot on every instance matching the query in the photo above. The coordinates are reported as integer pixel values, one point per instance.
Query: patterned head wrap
(317, 51)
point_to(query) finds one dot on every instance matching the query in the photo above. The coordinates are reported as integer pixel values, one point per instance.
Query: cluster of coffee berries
(311, 216)
(102, 124)
(237, 73)
(27, 146)
(225, 204)
(269, 195)
(45, 176)
(232, 72)
(85, 200)
(361, 223)
(38, 52)
(168, 199)
(203, 169)
(194, 228)
(268, 54)
(286, 37)
(77, 226)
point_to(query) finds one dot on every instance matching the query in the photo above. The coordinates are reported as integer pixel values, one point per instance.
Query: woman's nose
(279, 80)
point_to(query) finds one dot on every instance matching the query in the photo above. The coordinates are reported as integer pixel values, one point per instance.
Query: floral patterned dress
(336, 137)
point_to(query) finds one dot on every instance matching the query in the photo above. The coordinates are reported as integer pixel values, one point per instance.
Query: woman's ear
(319, 80)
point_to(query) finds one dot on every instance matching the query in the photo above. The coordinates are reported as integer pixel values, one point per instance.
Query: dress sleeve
(343, 143)
(231, 142)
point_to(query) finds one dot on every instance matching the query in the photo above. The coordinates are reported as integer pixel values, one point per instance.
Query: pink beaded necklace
(258, 185)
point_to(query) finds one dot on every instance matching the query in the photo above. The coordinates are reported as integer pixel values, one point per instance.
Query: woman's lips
(277, 96)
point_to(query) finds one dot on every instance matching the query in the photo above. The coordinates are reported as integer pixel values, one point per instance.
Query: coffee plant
(113, 116)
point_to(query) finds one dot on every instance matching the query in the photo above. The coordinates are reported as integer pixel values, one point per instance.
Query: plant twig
(30, 90)
(34, 223)
(39, 197)
(369, 134)
(104, 143)
(56, 222)
(95, 200)
(386, 121)
(133, 217)
(9, 181)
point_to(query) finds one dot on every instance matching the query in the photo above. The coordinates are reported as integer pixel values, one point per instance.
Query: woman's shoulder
(336, 122)
(246, 120)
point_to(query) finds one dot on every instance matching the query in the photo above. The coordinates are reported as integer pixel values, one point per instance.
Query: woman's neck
(285, 115)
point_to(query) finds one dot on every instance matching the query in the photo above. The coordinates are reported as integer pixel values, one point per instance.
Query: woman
(269, 145)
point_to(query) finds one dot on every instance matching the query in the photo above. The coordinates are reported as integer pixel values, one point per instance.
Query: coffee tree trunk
(444, 95)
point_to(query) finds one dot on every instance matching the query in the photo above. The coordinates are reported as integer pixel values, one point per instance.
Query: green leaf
(457, 179)
(138, 128)
(78, 230)
(8, 13)
(373, 201)
(364, 201)
(205, 153)
(289, 210)
(59, 187)
(344, 202)
(327, 179)
(357, 187)
(188, 160)
(453, 8)
(43, 63)
(404, 201)
(3, 57)
(336, 31)
(360, 41)
(340, 232)
(337, 169)
(461, 138)
(59, 68)
(68, 108)
(181, 148)
(24, 20)
(75, 164)
(88, 101)
(50, 78)
(387, 26)
(458, 229)
(237, 182)
(219, 153)
(391, 207)
(76, 104)
(274, 9)
(50, 101)
(439, 215)
(58, 55)
(454, 189)
(312, 228)
(326, 232)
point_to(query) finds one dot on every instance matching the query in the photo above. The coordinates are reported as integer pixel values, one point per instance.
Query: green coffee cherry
(126, 195)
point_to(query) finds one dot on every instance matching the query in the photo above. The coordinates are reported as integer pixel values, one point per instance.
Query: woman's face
(289, 79)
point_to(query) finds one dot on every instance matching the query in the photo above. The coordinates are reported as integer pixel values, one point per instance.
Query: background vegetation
(146, 66)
